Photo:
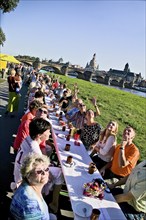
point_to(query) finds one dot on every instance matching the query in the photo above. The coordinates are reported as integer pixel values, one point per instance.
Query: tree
(36, 64)
(6, 6)
(2, 37)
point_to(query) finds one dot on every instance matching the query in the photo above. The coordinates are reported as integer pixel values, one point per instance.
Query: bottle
(68, 137)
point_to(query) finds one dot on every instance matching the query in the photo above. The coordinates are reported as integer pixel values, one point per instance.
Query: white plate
(62, 136)
(57, 107)
(52, 110)
(58, 128)
(69, 164)
(79, 209)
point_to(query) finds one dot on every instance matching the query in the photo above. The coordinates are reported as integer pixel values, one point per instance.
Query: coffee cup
(69, 159)
(68, 137)
(92, 168)
(63, 128)
(95, 214)
(67, 147)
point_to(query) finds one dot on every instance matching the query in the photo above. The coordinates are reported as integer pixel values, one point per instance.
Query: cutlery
(85, 211)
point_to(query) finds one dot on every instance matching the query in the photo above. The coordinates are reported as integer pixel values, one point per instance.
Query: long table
(76, 175)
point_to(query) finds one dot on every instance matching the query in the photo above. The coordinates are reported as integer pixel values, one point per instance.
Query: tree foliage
(36, 63)
(2, 37)
(6, 6)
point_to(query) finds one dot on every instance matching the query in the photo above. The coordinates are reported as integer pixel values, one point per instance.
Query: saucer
(79, 209)
(69, 164)
(62, 136)
(58, 128)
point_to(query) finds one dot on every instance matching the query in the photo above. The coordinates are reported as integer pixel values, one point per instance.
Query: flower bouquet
(95, 188)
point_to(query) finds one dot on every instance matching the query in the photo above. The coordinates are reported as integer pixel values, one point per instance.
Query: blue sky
(75, 30)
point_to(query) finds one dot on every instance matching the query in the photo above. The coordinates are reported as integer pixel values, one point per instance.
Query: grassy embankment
(114, 104)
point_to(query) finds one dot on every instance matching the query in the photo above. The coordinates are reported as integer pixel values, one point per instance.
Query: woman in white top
(105, 147)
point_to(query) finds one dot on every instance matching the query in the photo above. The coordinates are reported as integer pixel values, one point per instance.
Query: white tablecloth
(77, 175)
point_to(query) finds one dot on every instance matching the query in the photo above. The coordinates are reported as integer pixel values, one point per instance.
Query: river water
(133, 91)
(142, 94)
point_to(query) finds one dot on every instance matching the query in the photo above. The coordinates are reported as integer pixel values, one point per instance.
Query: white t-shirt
(31, 146)
(28, 146)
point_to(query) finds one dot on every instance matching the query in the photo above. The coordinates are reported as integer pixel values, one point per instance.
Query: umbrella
(9, 58)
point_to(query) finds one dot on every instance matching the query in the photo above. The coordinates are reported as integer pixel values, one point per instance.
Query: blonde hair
(134, 132)
(44, 106)
(113, 133)
(30, 162)
(32, 85)
(13, 72)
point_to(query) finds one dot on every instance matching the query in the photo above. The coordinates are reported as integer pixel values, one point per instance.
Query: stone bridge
(63, 69)
(111, 77)
(121, 78)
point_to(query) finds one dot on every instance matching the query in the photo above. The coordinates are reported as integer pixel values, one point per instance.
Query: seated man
(39, 131)
(124, 159)
(132, 199)
(40, 96)
(59, 91)
(78, 119)
(65, 100)
(74, 108)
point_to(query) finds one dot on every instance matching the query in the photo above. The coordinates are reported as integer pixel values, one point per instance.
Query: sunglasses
(42, 172)
(43, 111)
(81, 105)
(112, 123)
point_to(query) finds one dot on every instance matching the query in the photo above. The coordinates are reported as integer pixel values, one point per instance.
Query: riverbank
(135, 90)
(132, 91)
(124, 107)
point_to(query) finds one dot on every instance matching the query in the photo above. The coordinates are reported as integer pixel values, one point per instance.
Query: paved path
(8, 127)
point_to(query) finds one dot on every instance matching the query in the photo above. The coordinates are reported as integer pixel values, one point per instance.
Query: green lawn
(114, 104)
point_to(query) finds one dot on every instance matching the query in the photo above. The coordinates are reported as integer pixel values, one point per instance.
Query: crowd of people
(35, 175)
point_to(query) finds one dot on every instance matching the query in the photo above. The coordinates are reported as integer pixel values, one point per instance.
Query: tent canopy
(9, 58)
(3, 64)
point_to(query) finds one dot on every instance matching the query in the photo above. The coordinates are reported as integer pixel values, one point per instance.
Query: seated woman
(39, 131)
(90, 131)
(28, 202)
(105, 147)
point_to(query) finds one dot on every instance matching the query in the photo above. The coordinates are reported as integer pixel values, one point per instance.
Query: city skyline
(75, 30)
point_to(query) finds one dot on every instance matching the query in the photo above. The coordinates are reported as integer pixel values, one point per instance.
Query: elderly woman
(28, 202)
(105, 147)
(90, 131)
(39, 131)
